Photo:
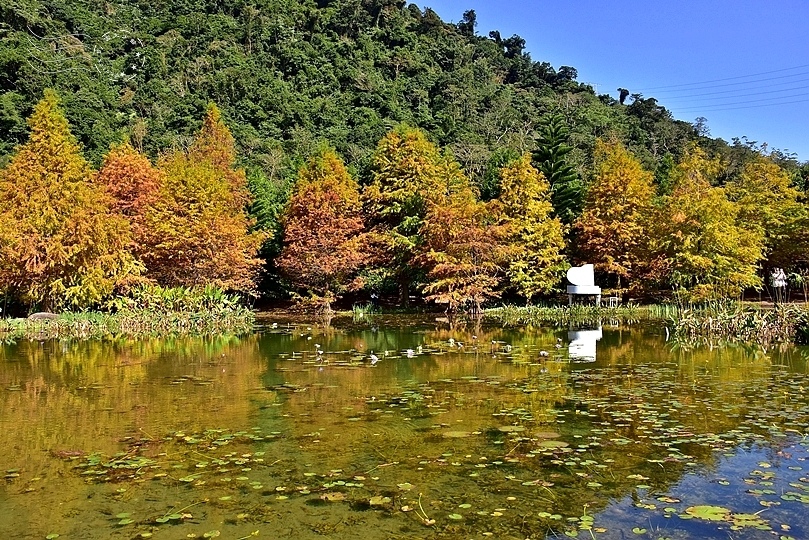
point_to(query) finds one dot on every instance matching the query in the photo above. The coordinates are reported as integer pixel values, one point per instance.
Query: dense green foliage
(290, 75)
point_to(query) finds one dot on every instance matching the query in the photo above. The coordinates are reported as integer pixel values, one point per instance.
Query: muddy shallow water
(399, 428)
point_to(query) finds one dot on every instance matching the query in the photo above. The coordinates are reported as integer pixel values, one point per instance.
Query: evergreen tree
(565, 185)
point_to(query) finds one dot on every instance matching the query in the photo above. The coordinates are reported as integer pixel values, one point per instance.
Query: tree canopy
(426, 116)
(61, 244)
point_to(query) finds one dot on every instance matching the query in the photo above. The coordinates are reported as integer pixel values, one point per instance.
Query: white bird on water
(374, 358)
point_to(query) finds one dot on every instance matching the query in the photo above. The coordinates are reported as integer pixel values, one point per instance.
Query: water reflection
(294, 432)
(582, 346)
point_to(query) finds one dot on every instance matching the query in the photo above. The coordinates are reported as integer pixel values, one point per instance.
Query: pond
(403, 427)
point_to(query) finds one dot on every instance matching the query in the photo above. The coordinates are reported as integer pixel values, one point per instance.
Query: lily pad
(709, 513)
(511, 429)
(552, 444)
(456, 434)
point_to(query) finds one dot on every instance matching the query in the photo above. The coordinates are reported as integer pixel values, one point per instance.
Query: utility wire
(728, 78)
(800, 95)
(725, 85)
(699, 94)
(691, 110)
(699, 97)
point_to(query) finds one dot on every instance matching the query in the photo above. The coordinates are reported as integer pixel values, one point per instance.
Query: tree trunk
(404, 292)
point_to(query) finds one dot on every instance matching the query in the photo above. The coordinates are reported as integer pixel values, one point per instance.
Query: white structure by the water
(582, 281)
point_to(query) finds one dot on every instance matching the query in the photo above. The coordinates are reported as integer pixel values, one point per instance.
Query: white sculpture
(582, 282)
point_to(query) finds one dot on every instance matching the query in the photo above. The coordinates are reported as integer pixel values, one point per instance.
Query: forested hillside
(291, 76)
(288, 74)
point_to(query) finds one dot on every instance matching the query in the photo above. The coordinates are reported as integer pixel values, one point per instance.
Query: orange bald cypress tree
(613, 227)
(463, 252)
(60, 244)
(197, 229)
(133, 183)
(214, 144)
(323, 242)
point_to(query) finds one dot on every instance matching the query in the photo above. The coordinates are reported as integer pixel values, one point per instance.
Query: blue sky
(743, 65)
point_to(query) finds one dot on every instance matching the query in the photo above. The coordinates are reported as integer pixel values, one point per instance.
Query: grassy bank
(562, 315)
(722, 321)
(147, 311)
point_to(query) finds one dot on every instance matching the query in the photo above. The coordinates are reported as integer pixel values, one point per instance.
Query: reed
(736, 323)
(363, 312)
(150, 311)
(561, 315)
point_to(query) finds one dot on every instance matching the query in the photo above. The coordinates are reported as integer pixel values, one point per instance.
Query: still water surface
(454, 432)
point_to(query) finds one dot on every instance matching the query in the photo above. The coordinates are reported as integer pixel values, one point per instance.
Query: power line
(737, 90)
(802, 94)
(699, 97)
(692, 110)
(728, 78)
(766, 79)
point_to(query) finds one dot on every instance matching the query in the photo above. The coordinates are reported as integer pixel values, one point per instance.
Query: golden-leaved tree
(612, 231)
(60, 244)
(462, 251)
(323, 241)
(535, 238)
(408, 173)
(197, 229)
(704, 253)
(769, 205)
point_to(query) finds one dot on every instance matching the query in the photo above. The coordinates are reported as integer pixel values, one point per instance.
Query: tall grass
(733, 322)
(718, 320)
(146, 311)
(562, 315)
(363, 312)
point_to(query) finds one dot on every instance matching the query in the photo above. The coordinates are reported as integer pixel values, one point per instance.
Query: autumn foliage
(409, 174)
(462, 253)
(612, 229)
(535, 239)
(705, 253)
(61, 244)
(133, 184)
(197, 229)
(323, 241)
(70, 237)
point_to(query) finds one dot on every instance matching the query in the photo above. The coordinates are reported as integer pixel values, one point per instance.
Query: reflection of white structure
(582, 346)
(582, 282)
